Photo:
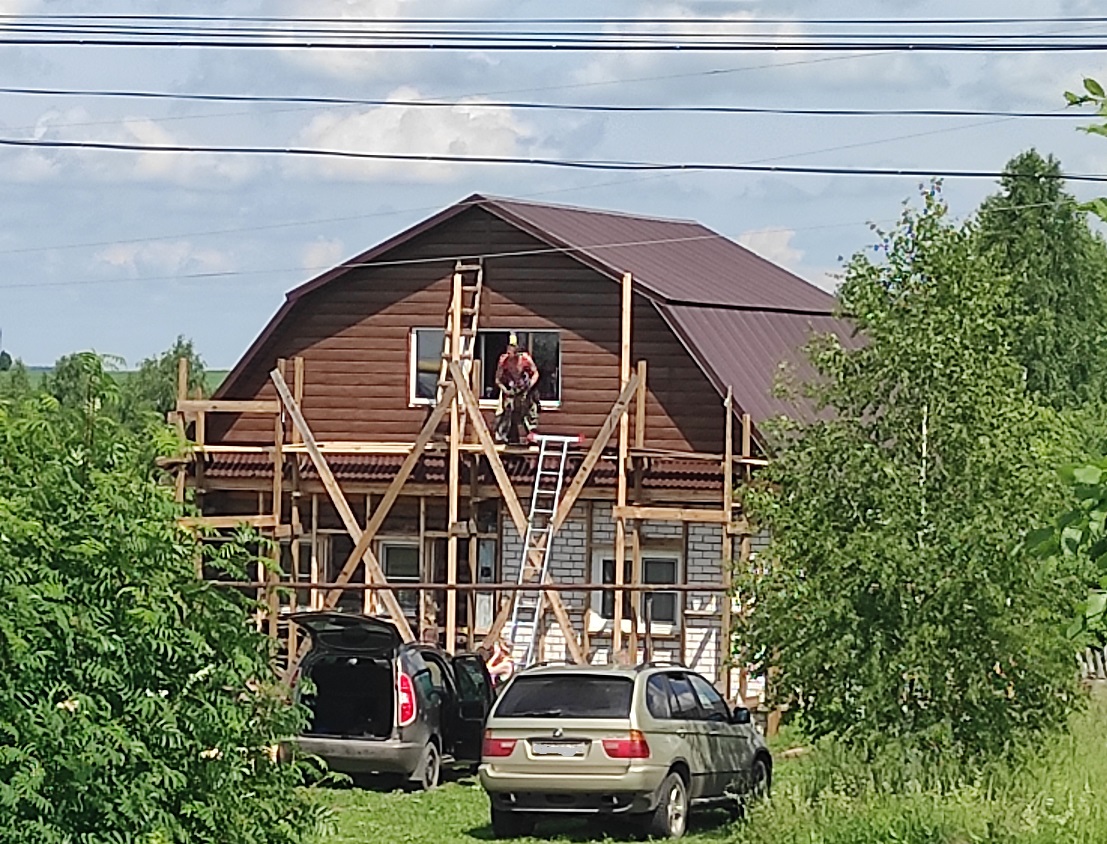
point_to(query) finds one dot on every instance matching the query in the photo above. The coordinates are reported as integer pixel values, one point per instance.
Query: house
(687, 327)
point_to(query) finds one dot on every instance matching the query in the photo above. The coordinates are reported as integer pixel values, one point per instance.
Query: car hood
(350, 633)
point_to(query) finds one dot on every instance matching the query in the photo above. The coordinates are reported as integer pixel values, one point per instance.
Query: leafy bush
(134, 699)
(896, 602)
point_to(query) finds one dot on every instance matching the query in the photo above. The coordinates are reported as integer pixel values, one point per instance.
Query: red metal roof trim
(662, 473)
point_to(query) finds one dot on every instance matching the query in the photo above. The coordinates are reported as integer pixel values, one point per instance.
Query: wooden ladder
(459, 341)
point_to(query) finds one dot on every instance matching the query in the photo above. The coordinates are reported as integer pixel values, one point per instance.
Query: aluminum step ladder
(526, 611)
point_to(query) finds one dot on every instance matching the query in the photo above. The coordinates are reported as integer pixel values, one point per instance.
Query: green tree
(896, 602)
(15, 382)
(1039, 237)
(5, 361)
(154, 384)
(134, 704)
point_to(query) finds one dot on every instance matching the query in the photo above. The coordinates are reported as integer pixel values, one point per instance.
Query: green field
(1058, 796)
(212, 377)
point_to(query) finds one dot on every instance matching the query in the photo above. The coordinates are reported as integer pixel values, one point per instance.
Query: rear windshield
(567, 696)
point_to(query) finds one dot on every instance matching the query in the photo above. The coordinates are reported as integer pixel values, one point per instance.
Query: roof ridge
(493, 199)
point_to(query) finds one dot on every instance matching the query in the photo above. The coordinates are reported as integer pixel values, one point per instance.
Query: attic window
(426, 359)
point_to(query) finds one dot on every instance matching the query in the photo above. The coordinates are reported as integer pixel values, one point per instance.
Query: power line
(566, 163)
(468, 103)
(935, 21)
(542, 250)
(626, 42)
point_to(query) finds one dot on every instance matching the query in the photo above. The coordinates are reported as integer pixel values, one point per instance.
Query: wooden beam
(278, 455)
(345, 513)
(670, 514)
(727, 561)
(621, 470)
(363, 542)
(182, 394)
(229, 522)
(570, 495)
(518, 516)
(228, 406)
(316, 572)
(640, 408)
(297, 391)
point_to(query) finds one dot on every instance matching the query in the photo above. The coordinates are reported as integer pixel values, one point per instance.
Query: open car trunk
(353, 697)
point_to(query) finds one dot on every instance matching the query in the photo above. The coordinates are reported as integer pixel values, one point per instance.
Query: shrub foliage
(134, 699)
(897, 602)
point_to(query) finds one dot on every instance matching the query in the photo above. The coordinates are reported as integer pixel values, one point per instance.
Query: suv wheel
(427, 775)
(511, 824)
(759, 780)
(669, 818)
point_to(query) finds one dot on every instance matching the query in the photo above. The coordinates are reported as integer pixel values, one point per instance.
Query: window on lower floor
(659, 607)
(400, 563)
(426, 362)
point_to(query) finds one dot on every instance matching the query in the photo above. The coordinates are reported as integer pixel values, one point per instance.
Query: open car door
(349, 633)
(474, 701)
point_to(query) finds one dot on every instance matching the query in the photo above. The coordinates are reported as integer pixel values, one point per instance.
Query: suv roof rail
(546, 662)
(660, 663)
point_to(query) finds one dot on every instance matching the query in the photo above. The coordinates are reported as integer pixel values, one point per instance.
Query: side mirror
(740, 715)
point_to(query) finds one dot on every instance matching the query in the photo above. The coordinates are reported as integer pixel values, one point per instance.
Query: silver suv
(649, 743)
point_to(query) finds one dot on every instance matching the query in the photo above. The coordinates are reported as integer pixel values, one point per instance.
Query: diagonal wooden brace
(381, 511)
(518, 516)
(569, 498)
(372, 566)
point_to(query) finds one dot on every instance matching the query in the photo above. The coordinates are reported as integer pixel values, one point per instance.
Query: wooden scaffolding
(467, 442)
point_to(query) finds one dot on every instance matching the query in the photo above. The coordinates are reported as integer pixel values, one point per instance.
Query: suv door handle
(681, 733)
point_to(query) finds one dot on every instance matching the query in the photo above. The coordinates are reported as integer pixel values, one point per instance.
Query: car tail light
(405, 697)
(497, 748)
(633, 746)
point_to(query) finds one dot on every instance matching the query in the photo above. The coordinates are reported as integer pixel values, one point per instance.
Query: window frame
(382, 544)
(709, 708)
(657, 628)
(414, 400)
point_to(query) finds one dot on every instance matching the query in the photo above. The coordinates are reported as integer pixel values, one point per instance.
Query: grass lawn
(1057, 797)
(458, 812)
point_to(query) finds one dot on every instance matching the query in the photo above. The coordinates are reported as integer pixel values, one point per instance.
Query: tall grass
(1056, 793)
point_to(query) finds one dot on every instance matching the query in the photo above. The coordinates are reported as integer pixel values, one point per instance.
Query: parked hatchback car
(380, 706)
(649, 743)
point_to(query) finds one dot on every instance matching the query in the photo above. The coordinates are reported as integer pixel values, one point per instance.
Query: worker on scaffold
(517, 379)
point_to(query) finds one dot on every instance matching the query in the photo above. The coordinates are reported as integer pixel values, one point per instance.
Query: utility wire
(566, 163)
(542, 250)
(677, 42)
(468, 103)
(883, 22)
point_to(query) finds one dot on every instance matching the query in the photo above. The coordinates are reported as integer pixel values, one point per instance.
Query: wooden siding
(354, 336)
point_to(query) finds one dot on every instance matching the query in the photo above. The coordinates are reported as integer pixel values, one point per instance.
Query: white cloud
(776, 245)
(359, 16)
(76, 124)
(773, 245)
(457, 130)
(322, 253)
(756, 71)
(165, 257)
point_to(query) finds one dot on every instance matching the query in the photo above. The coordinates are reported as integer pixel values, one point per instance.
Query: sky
(122, 251)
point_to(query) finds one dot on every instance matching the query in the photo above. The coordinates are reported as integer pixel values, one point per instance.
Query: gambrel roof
(739, 316)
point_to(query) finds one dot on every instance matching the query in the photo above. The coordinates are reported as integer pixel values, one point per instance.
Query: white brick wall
(569, 563)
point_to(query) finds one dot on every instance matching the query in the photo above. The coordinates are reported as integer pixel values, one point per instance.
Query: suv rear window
(567, 696)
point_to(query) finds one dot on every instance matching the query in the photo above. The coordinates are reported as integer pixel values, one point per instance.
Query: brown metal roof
(738, 315)
(745, 350)
(677, 261)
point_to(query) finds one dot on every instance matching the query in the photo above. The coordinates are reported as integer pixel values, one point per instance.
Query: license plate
(568, 749)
